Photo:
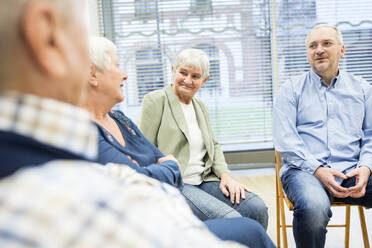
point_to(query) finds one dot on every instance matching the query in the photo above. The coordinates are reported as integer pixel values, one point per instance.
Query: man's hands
(327, 177)
(232, 188)
(361, 175)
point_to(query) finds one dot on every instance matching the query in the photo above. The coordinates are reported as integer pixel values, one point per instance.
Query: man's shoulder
(294, 83)
(356, 83)
(80, 178)
(354, 78)
(299, 79)
(62, 179)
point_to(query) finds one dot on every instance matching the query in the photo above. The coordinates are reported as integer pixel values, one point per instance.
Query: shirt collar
(50, 122)
(320, 82)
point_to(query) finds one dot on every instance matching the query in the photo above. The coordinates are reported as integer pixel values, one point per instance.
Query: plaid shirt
(81, 204)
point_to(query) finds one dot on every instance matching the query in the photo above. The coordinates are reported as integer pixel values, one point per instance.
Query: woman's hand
(232, 188)
(168, 157)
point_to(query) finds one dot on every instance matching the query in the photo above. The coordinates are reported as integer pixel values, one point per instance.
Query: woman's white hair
(100, 49)
(338, 32)
(194, 58)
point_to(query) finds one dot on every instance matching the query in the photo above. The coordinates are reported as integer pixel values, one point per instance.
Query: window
(213, 84)
(349, 17)
(251, 53)
(145, 9)
(201, 7)
(359, 50)
(293, 11)
(149, 71)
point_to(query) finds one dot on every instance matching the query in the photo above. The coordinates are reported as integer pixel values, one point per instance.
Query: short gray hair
(338, 32)
(100, 49)
(194, 58)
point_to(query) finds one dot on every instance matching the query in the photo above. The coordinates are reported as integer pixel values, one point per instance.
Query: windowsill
(230, 148)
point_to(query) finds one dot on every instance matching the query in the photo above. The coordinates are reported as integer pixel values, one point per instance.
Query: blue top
(138, 153)
(319, 125)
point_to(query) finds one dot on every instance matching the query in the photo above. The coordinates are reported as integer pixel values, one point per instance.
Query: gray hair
(338, 32)
(100, 49)
(194, 58)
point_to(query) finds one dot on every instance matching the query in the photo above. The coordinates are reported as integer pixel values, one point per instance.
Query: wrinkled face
(187, 81)
(110, 81)
(324, 51)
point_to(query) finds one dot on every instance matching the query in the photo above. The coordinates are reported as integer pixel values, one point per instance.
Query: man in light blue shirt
(323, 132)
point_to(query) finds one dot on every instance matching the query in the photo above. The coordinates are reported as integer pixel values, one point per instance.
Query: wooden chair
(282, 226)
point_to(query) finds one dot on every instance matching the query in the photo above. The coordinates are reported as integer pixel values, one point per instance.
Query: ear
(93, 76)
(41, 31)
(205, 81)
(343, 50)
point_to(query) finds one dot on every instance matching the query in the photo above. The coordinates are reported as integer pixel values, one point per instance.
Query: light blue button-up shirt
(315, 124)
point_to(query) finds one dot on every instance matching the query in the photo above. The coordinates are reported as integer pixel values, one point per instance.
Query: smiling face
(187, 80)
(110, 81)
(324, 51)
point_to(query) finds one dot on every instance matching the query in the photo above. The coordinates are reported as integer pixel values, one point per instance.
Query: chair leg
(363, 226)
(277, 222)
(347, 226)
(284, 223)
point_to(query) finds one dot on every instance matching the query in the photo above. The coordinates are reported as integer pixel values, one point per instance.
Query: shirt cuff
(365, 162)
(309, 165)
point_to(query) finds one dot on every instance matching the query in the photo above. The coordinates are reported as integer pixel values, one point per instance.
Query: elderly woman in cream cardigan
(177, 122)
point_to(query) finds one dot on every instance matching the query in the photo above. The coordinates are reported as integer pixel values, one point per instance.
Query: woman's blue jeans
(207, 202)
(311, 203)
(243, 230)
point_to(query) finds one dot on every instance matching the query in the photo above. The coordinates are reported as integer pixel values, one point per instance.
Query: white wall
(92, 17)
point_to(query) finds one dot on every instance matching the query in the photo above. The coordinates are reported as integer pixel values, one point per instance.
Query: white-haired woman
(177, 122)
(120, 141)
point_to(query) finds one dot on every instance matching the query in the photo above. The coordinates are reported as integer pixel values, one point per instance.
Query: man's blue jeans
(311, 202)
(207, 202)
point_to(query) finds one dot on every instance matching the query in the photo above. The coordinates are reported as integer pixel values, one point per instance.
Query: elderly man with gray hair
(323, 132)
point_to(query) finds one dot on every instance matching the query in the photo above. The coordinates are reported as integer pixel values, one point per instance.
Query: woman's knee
(255, 208)
(254, 203)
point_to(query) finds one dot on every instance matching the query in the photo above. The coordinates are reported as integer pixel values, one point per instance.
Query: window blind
(254, 46)
(235, 35)
(295, 18)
